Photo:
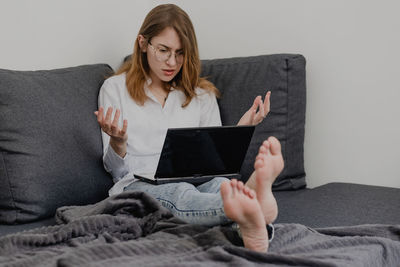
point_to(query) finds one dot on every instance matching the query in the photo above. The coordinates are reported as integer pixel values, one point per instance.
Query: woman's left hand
(254, 117)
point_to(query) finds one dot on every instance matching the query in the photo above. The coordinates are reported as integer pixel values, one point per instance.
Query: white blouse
(147, 126)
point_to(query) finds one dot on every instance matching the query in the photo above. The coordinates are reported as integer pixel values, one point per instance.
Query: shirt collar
(147, 84)
(148, 81)
(146, 87)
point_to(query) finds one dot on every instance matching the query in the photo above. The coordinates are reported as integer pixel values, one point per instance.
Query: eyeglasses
(163, 54)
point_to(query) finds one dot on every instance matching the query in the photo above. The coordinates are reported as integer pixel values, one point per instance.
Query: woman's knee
(181, 189)
(212, 186)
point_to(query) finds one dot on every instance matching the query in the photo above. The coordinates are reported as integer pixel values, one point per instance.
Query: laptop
(198, 154)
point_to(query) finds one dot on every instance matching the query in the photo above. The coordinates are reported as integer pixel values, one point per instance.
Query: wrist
(119, 147)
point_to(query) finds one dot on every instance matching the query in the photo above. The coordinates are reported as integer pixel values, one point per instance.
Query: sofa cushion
(16, 228)
(339, 204)
(240, 80)
(51, 149)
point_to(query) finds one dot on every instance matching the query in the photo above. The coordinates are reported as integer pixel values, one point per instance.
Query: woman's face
(164, 55)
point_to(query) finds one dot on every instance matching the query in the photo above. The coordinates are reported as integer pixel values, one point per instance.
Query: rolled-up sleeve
(114, 164)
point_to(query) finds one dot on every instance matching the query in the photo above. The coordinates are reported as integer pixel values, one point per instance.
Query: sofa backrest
(50, 143)
(240, 80)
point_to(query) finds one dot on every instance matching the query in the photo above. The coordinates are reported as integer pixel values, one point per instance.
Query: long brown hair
(188, 78)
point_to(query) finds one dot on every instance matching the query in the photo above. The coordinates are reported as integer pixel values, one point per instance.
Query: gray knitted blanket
(132, 229)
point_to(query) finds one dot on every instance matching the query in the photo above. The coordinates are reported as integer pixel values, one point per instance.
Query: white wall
(44, 34)
(351, 46)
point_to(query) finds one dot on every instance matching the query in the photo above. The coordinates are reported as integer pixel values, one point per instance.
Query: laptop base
(192, 180)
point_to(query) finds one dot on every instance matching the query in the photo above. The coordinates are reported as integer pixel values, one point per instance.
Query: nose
(171, 60)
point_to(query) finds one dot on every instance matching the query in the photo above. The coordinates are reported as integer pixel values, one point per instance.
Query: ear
(142, 43)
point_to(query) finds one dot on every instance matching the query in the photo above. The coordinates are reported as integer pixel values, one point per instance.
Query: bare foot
(268, 165)
(241, 206)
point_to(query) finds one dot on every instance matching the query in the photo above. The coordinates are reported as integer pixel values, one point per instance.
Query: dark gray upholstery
(14, 228)
(340, 204)
(240, 80)
(51, 150)
(333, 204)
(51, 146)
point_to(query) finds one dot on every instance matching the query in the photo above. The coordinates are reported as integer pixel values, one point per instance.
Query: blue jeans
(193, 204)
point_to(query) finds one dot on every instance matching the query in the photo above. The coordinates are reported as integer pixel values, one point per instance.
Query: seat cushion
(15, 228)
(50, 142)
(240, 80)
(340, 204)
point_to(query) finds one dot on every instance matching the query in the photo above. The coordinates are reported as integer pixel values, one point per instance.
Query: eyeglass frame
(170, 54)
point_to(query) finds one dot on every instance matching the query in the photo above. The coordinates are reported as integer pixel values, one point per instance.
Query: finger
(262, 111)
(100, 116)
(255, 103)
(257, 117)
(124, 128)
(114, 124)
(267, 102)
(108, 114)
(99, 113)
(107, 120)
(253, 116)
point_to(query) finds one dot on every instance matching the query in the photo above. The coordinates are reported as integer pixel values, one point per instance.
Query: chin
(168, 78)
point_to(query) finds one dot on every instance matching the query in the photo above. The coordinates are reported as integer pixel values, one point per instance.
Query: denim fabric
(195, 205)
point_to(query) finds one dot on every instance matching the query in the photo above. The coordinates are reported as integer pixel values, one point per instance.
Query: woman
(160, 88)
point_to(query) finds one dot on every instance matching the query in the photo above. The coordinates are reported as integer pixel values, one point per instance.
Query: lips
(168, 72)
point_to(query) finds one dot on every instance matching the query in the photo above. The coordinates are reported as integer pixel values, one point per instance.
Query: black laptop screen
(204, 151)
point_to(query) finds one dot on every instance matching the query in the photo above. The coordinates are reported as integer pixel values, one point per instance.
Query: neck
(158, 91)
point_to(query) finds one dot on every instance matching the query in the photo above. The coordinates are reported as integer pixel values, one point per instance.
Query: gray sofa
(51, 152)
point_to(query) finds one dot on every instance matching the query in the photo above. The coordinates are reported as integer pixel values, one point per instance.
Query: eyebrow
(181, 49)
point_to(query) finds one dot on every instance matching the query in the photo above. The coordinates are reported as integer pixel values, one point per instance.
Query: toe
(275, 146)
(240, 185)
(226, 191)
(263, 149)
(252, 193)
(234, 187)
(259, 163)
(246, 190)
(266, 143)
(234, 183)
(260, 157)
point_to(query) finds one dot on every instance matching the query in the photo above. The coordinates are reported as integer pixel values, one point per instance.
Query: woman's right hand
(118, 136)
